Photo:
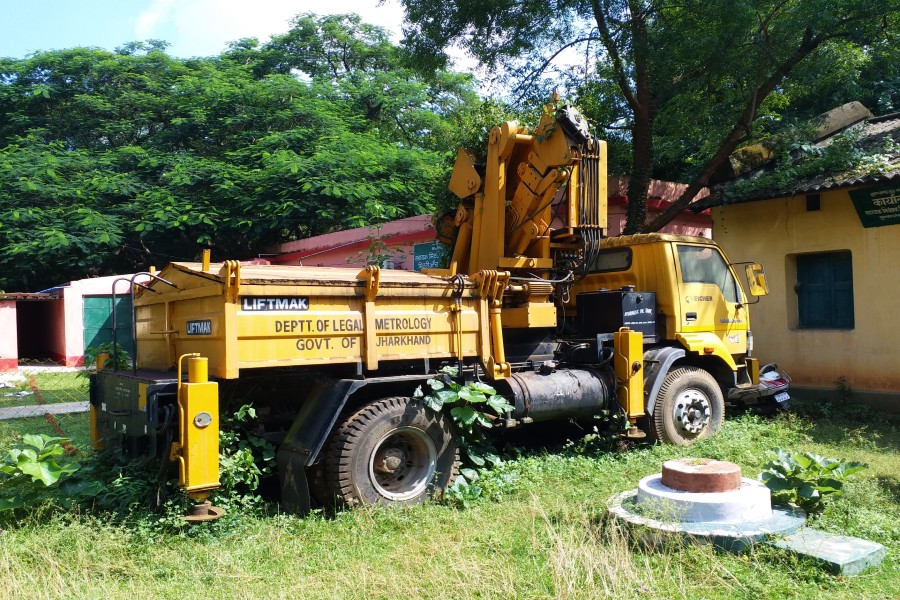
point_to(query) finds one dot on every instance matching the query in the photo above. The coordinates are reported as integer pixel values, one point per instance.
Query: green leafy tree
(111, 161)
(689, 80)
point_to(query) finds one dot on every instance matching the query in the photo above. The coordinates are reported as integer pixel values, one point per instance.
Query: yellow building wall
(774, 232)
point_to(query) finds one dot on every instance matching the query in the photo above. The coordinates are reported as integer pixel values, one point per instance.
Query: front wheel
(393, 450)
(690, 407)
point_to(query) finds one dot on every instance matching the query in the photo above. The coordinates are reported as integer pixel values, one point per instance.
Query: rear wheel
(393, 450)
(690, 407)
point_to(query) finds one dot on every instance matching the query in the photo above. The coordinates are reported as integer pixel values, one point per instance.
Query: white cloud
(149, 19)
(204, 27)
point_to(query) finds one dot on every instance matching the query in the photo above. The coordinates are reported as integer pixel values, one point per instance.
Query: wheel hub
(403, 463)
(692, 411)
(388, 460)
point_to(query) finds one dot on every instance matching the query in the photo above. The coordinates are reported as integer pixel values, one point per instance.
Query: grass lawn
(45, 387)
(547, 537)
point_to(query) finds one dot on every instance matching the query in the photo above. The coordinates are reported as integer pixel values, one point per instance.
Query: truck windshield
(703, 264)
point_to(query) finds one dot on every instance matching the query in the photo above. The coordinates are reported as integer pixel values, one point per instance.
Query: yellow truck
(563, 321)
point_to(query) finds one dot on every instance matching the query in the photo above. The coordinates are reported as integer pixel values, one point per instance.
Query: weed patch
(545, 537)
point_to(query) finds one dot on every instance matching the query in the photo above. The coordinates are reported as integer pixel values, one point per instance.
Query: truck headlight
(749, 342)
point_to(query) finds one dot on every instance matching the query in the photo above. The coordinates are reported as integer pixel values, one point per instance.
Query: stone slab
(841, 554)
(37, 410)
(733, 537)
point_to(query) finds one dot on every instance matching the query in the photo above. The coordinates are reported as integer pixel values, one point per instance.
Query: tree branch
(544, 65)
(613, 52)
(740, 130)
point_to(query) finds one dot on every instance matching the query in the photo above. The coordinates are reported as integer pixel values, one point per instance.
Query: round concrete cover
(701, 475)
(751, 501)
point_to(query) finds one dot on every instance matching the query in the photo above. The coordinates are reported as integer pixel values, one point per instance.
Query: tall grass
(547, 537)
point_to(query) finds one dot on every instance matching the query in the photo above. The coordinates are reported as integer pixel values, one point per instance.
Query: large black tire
(689, 407)
(392, 451)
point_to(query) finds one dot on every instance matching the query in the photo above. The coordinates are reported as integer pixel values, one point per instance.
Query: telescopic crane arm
(535, 193)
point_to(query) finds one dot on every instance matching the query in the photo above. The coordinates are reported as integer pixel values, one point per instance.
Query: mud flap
(306, 437)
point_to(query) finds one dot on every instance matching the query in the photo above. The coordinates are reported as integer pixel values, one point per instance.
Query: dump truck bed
(255, 316)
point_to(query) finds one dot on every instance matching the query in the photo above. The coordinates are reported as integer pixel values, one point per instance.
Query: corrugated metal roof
(873, 134)
(23, 297)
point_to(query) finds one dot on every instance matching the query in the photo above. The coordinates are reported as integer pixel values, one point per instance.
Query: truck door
(710, 297)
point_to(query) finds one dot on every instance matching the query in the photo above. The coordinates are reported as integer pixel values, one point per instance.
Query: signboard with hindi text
(877, 207)
(430, 255)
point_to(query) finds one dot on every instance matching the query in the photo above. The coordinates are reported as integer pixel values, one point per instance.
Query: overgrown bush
(473, 406)
(245, 459)
(30, 468)
(118, 358)
(805, 479)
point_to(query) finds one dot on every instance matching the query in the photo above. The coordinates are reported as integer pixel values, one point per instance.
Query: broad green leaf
(775, 483)
(500, 404)
(27, 455)
(493, 459)
(82, 487)
(464, 415)
(808, 491)
(476, 458)
(850, 468)
(469, 395)
(47, 472)
(484, 388)
(445, 396)
(11, 503)
(827, 485)
(804, 460)
(469, 474)
(434, 403)
(482, 419)
(34, 440)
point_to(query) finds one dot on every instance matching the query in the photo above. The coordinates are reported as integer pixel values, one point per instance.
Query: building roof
(877, 138)
(27, 297)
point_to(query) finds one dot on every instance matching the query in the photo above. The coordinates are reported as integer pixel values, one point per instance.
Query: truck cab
(702, 317)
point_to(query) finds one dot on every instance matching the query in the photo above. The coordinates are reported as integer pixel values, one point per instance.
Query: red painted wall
(351, 248)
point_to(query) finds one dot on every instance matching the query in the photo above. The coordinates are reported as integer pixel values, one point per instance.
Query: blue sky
(192, 27)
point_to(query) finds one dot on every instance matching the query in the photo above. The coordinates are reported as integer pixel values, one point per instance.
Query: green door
(98, 321)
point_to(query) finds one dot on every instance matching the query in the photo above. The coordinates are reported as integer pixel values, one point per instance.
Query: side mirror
(756, 278)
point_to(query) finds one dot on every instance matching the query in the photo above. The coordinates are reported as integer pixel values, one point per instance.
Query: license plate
(782, 397)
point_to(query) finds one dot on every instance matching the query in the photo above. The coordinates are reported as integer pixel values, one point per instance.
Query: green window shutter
(825, 290)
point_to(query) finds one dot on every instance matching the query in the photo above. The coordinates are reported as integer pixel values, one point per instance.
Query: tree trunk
(639, 99)
(639, 181)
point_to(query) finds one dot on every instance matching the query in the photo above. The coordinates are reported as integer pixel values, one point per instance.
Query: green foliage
(800, 161)
(554, 518)
(466, 402)
(32, 467)
(378, 253)
(117, 358)
(606, 436)
(244, 460)
(472, 406)
(675, 104)
(110, 162)
(806, 478)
